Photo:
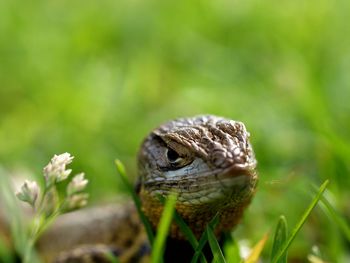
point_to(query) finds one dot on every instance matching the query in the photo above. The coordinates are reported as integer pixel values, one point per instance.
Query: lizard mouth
(207, 186)
(219, 188)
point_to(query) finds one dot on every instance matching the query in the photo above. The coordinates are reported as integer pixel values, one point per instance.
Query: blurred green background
(94, 77)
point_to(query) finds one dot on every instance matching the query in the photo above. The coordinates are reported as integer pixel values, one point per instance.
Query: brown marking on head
(208, 161)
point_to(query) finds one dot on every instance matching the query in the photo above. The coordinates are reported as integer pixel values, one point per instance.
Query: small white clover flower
(77, 184)
(56, 171)
(29, 192)
(77, 201)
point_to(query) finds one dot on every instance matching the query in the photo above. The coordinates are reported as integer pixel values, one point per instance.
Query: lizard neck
(197, 218)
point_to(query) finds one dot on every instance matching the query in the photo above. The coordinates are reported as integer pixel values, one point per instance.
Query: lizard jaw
(201, 197)
(206, 186)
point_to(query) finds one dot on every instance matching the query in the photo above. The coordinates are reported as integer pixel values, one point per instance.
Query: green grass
(163, 229)
(279, 240)
(214, 246)
(136, 199)
(232, 250)
(336, 217)
(279, 254)
(5, 254)
(203, 240)
(94, 79)
(112, 258)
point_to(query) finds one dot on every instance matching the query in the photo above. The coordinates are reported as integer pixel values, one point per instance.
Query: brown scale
(229, 217)
(224, 148)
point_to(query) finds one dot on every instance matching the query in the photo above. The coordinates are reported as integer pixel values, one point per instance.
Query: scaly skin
(207, 160)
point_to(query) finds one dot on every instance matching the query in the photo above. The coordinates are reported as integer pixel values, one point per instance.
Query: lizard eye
(172, 156)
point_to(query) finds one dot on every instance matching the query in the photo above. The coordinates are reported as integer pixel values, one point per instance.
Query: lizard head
(207, 161)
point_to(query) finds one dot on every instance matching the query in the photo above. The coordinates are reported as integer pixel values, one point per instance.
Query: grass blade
(203, 240)
(231, 250)
(17, 228)
(112, 258)
(145, 221)
(296, 229)
(337, 218)
(186, 230)
(257, 249)
(163, 229)
(5, 253)
(215, 247)
(198, 251)
(279, 239)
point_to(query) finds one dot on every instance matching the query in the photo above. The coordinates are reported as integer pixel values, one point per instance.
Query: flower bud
(77, 184)
(77, 201)
(56, 171)
(29, 192)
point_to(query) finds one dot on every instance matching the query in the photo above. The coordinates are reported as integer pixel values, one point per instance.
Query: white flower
(77, 184)
(77, 201)
(56, 171)
(29, 192)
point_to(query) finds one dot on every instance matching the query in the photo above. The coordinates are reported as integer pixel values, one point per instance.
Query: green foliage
(17, 229)
(232, 250)
(163, 229)
(121, 170)
(283, 249)
(279, 239)
(112, 258)
(336, 217)
(203, 240)
(94, 78)
(5, 253)
(186, 230)
(215, 247)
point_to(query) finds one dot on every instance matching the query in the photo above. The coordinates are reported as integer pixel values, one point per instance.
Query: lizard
(206, 160)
